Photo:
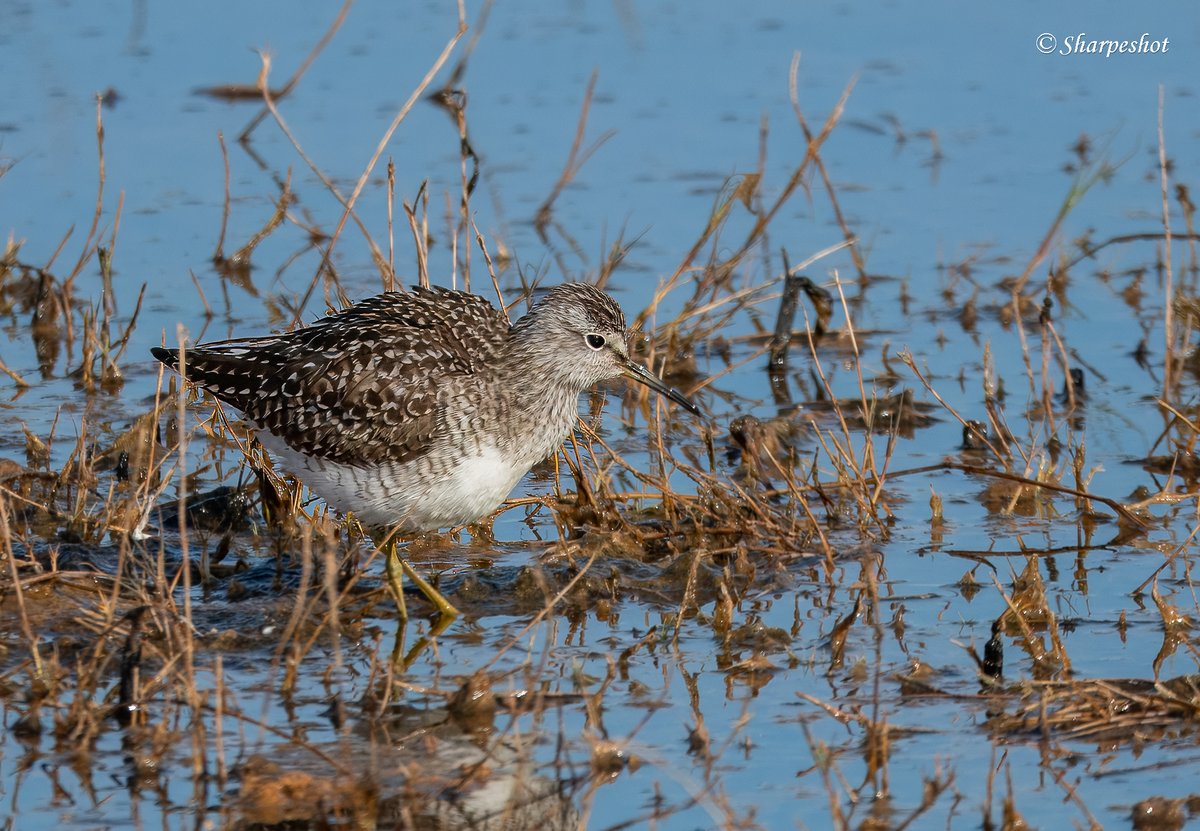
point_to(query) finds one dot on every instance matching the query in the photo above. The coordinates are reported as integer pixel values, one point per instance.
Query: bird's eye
(595, 341)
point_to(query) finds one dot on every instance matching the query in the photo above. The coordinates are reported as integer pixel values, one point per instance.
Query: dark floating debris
(238, 92)
(993, 653)
(899, 411)
(785, 320)
(220, 511)
(1074, 390)
(762, 449)
(1183, 464)
(974, 435)
(822, 302)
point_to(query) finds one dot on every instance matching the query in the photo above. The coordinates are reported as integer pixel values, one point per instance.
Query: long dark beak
(642, 375)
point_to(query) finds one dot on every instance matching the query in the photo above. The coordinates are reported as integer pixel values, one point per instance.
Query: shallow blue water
(953, 145)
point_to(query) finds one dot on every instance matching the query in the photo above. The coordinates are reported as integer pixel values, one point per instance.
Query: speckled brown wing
(360, 386)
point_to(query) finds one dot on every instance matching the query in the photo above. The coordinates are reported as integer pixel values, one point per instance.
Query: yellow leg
(395, 578)
(397, 568)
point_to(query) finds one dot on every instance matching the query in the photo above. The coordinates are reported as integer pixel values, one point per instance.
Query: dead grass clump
(1109, 712)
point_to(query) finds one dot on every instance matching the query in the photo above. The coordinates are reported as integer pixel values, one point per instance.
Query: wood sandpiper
(421, 410)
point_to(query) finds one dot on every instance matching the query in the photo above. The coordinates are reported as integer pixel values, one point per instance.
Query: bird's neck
(538, 392)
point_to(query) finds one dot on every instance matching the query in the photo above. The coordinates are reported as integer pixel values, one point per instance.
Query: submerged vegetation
(234, 643)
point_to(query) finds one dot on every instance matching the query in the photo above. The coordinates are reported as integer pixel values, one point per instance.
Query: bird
(421, 410)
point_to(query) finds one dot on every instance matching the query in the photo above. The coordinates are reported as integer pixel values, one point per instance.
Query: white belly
(394, 495)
